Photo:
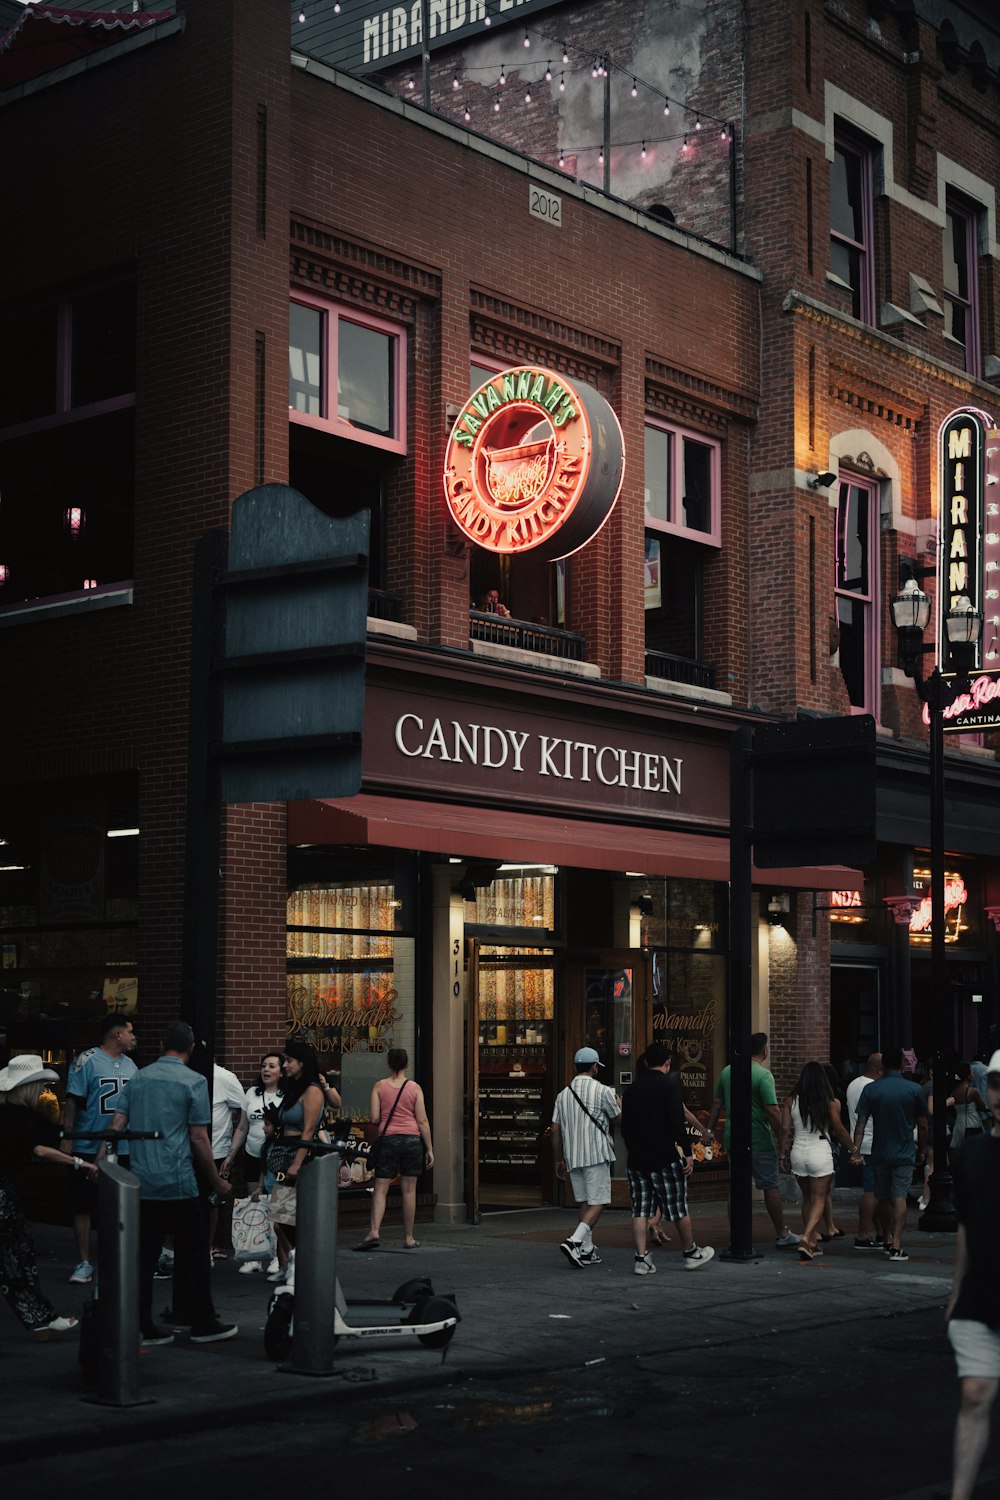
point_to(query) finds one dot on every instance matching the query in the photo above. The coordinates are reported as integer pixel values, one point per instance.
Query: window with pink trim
(682, 484)
(961, 278)
(856, 591)
(346, 373)
(852, 255)
(67, 408)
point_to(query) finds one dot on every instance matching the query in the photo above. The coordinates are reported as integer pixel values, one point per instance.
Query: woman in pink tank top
(403, 1146)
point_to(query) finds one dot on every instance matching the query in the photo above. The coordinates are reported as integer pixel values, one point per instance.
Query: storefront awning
(492, 833)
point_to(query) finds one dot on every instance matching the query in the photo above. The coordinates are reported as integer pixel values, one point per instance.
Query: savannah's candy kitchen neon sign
(534, 462)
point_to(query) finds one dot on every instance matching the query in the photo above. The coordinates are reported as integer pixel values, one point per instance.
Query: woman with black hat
(26, 1133)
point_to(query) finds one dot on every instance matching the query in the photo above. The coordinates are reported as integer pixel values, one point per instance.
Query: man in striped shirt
(581, 1139)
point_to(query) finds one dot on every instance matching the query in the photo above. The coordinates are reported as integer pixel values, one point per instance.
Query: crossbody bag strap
(593, 1118)
(392, 1111)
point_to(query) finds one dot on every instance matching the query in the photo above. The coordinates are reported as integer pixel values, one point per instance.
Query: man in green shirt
(765, 1119)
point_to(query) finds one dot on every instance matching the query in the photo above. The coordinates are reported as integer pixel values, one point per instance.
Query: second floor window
(346, 373)
(682, 527)
(682, 483)
(67, 436)
(855, 588)
(961, 282)
(852, 259)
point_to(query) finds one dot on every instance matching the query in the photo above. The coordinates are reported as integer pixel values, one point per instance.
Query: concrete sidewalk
(524, 1309)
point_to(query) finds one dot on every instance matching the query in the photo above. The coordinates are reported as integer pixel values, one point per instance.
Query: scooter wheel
(278, 1329)
(432, 1311)
(413, 1291)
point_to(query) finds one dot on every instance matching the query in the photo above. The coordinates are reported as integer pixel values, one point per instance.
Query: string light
(600, 157)
(635, 88)
(697, 123)
(562, 83)
(565, 54)
(562, 163)
(503, 74)
(410, 84)
(496, 104)
(666, 107)
(548, 71)
(724, 133)
(685, 145)
(487, 19)
(527, 96)
(302, 16)
(468, 112)
(527, 38)
(454, 82)
(643, 152)
(595, 69)
(336, 8)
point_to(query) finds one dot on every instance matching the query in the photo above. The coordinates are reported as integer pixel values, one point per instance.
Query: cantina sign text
(969, 553)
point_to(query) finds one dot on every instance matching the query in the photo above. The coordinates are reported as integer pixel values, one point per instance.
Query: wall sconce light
(823, 480)
(778, 907)
(467, 890)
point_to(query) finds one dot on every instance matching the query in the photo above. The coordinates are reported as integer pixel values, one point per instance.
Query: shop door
(608, 1008)
(509, 1072)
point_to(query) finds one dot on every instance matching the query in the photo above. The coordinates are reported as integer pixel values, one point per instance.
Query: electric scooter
(413, 1314)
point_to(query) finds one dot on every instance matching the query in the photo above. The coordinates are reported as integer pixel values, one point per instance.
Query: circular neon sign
(534, 462)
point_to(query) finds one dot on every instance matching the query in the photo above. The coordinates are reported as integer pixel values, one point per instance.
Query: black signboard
(367, 37)
(814, 792)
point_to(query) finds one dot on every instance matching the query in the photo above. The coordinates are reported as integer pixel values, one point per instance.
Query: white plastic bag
(253, 1233)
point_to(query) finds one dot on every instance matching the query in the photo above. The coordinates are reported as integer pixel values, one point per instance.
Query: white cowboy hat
(28, 1068)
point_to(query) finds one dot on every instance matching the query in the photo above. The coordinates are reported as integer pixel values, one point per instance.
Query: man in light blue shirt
(171, 1098)
(96, 1082)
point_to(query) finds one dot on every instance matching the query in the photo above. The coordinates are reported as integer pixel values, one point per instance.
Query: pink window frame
(713, 536)
(870, 600)
(963, 209)
(64, 412)
(851, 145)
(332, 313)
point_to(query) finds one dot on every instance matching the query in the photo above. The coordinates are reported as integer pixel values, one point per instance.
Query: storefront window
(351, 969)
(687, 932)
(961, 910)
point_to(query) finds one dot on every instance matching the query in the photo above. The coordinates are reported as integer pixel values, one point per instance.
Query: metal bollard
(316, 1268)
(118, 1290)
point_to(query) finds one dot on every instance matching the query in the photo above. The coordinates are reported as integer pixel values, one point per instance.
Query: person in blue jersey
(95, 1085)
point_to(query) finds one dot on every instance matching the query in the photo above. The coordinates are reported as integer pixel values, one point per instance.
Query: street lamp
(911, 611)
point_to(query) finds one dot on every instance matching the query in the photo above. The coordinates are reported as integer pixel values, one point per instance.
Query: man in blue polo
(897, 1109)
(171, 1098)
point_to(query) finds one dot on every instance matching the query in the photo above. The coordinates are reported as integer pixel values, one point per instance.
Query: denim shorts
(402, 1154)
(977, 1349)
(764, 1166)
(867, 1175)
(893, 1179)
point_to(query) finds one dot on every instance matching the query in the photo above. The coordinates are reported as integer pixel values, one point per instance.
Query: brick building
(242, 266)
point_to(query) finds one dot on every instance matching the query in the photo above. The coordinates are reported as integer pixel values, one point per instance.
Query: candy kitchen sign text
(518, 750)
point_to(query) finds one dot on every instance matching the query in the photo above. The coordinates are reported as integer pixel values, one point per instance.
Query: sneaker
(249, 1267)
(644, 1266)
(571, 1250)
(43, 1331)
(215, 1332)
(153, 1336)
(273, 1265)
(277, 1275)
(698, 1255)
(868, 1244)
(83, 1274)
(787, 1241)
(590, 1258)
(164, 1266)
(897, 1254)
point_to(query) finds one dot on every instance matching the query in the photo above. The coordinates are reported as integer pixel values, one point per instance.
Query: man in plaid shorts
(659, 1157)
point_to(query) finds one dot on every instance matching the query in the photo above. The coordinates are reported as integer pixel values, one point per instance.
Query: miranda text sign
(969, 551)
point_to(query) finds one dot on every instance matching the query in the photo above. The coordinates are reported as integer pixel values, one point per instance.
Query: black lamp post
(911, 611)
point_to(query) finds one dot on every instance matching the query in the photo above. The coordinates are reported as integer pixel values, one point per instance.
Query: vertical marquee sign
(969, 557)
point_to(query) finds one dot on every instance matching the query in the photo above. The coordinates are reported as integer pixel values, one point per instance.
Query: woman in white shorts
(810, 1120)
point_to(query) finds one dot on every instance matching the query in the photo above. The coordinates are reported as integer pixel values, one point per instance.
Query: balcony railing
(525, 634)
(679, 669)
(382, 606)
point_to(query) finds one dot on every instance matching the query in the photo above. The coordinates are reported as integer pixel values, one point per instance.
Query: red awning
(493, 833)
(46, 37)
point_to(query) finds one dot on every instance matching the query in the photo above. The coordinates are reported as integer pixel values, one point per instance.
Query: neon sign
(534, 462)
(969, 556)
(955, 897)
